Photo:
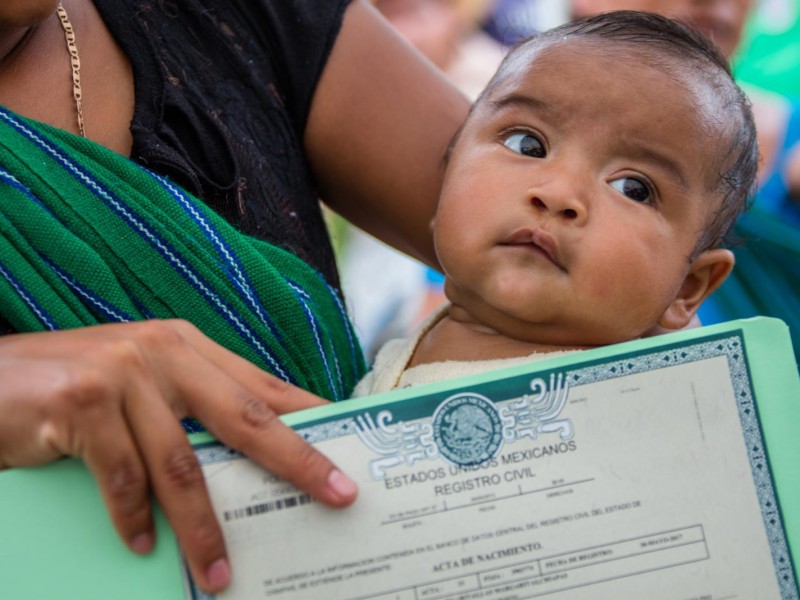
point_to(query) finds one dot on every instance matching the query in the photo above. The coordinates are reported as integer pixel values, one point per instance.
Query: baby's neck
(454, 339)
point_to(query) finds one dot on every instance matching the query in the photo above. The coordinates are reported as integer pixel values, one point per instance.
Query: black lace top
(223, 89)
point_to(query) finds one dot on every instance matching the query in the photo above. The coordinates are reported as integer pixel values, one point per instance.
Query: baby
(586, 199)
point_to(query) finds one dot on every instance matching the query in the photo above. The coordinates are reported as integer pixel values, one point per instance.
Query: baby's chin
(549, 331)
(554, 338)
(588, 339)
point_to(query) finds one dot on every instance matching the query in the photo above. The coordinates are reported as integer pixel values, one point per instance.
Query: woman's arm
(380, 123)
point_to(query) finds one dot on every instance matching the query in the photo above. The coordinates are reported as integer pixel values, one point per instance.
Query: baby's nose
(567, 212)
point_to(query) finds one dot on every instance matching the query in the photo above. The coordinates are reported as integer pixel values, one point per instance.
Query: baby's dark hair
(669, 44)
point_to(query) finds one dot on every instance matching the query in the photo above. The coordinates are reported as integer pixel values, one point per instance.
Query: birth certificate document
(639, 477)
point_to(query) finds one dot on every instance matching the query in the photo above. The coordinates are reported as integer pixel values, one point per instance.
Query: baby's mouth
(538, 241)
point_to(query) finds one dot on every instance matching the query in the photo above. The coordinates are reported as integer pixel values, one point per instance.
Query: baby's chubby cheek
(619, 301)
(599, 289)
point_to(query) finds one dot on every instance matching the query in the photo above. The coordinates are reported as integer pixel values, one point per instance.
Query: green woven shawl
(89, 237)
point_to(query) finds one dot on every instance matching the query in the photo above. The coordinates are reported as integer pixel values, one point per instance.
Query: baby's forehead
(608, 75)
(661, 61)
(589, 69)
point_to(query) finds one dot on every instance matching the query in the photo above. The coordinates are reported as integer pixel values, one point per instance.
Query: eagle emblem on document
(467, 429)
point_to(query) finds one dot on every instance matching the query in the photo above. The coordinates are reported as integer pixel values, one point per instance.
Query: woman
(257, 108)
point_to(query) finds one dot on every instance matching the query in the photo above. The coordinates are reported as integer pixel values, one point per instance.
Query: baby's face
(575, 196)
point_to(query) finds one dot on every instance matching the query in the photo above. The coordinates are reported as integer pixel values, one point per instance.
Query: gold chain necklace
(75, 60)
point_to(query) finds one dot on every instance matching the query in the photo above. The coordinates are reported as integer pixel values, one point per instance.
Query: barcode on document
(265, 507)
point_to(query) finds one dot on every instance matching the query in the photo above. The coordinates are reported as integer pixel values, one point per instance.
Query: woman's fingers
(234, 400)
(114, 460)
(248, 419)
(55, 403)
(114, 395)
(282, 397)
(253, 428)
(175, 473)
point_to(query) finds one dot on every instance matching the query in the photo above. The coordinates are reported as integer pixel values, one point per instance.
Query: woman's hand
(113, 395)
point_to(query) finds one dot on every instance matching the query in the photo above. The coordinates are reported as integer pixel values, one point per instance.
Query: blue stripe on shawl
(44, 317)
(111, 312)
(304, 300)
(108, 310)
(11, 181)
(355, 348)
(232, 265)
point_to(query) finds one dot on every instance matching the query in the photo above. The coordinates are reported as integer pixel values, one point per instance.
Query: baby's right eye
(526, 144)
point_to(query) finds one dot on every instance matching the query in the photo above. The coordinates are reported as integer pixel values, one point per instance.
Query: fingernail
(218, 575)
(142, 543)
(342, 485)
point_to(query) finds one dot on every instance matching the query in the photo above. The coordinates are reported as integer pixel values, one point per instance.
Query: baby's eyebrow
(518, 101)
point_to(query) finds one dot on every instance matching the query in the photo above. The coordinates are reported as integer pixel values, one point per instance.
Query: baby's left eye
(526, 144)
(633, 188)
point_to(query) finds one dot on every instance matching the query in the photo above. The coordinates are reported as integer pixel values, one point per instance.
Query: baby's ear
(705, 275)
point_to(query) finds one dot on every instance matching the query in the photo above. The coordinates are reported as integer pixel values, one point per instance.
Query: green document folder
(56, 540)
